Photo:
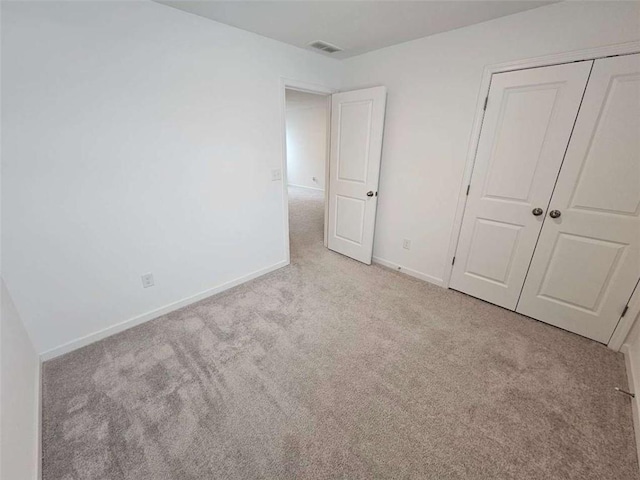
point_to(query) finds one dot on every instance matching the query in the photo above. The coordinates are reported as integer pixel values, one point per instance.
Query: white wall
(19, 390)
(137, 138)
(306, 139)
(433, 88)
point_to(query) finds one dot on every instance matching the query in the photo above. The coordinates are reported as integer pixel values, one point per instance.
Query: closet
(551, 227)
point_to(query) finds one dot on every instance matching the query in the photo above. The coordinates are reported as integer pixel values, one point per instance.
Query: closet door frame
(628, 48)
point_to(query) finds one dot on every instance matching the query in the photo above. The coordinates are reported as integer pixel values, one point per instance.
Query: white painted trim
(145, 317)
(38, 458)
(589, 54)
(633, 378)
(304, 186)
(306, 87)
(291, 84)
(327, 172)
(412, 273)
(626, 323)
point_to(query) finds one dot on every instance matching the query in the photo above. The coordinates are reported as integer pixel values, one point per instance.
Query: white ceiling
(355, 26)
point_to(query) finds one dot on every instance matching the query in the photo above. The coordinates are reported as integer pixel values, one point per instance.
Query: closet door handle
(537, 211)
(555, 213)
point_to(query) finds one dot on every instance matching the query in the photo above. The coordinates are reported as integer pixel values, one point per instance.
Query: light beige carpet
(332, 369)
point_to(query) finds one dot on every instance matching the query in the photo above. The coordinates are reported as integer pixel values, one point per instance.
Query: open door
(357, 124)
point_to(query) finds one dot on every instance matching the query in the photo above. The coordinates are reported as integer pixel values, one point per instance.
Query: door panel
(493, 246)
(579, 261)
(527, 125)
(615, 137)
(350, 215)
(355, 131)
(588, 260)
(517, 151)
(357, 123)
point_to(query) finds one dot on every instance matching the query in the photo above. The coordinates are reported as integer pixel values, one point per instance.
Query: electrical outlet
(406, 244)
(276, 174)
(147, 280)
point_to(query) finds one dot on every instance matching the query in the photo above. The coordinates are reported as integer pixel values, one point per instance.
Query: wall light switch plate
(276, 174)
(147, 280)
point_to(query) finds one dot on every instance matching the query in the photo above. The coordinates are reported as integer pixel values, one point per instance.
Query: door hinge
(453, 262)
(468, 188)
(624, 312)
(486, 100)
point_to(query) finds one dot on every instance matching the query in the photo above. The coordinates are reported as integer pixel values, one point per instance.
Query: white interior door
(587, 261)
(357, 123)
(526, 128)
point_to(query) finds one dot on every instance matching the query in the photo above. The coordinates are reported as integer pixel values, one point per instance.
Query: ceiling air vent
(325, 47)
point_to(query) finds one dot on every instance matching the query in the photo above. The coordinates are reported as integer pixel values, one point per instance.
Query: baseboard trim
(410, 272)
(304, 186)
(145, 317)
(633, 378)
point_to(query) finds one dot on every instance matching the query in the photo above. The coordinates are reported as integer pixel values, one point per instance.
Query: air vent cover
(325, 47)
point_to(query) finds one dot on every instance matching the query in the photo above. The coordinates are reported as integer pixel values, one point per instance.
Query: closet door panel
(587, 261)
(525, 132)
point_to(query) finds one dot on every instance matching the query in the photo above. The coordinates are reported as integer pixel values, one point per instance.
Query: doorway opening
(307, 129)
(351, 146)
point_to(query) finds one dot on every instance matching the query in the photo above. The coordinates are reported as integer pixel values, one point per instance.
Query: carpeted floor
(332, 369)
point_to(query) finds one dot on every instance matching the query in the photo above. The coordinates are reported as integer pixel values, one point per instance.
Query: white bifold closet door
(357, 124)
(587, 261)
(526, 128)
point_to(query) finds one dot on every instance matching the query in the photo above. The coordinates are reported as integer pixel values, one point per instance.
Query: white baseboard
(408, 271)
(145, 317)
(634, 383)
(304, 186)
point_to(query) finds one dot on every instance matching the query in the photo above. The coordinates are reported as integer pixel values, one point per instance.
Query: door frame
(628, 48)
(306, 87)
(625, 323)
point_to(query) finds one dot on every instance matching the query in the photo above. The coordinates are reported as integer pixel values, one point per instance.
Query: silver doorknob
(369, 193)
(555, 213)
(537, 212)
